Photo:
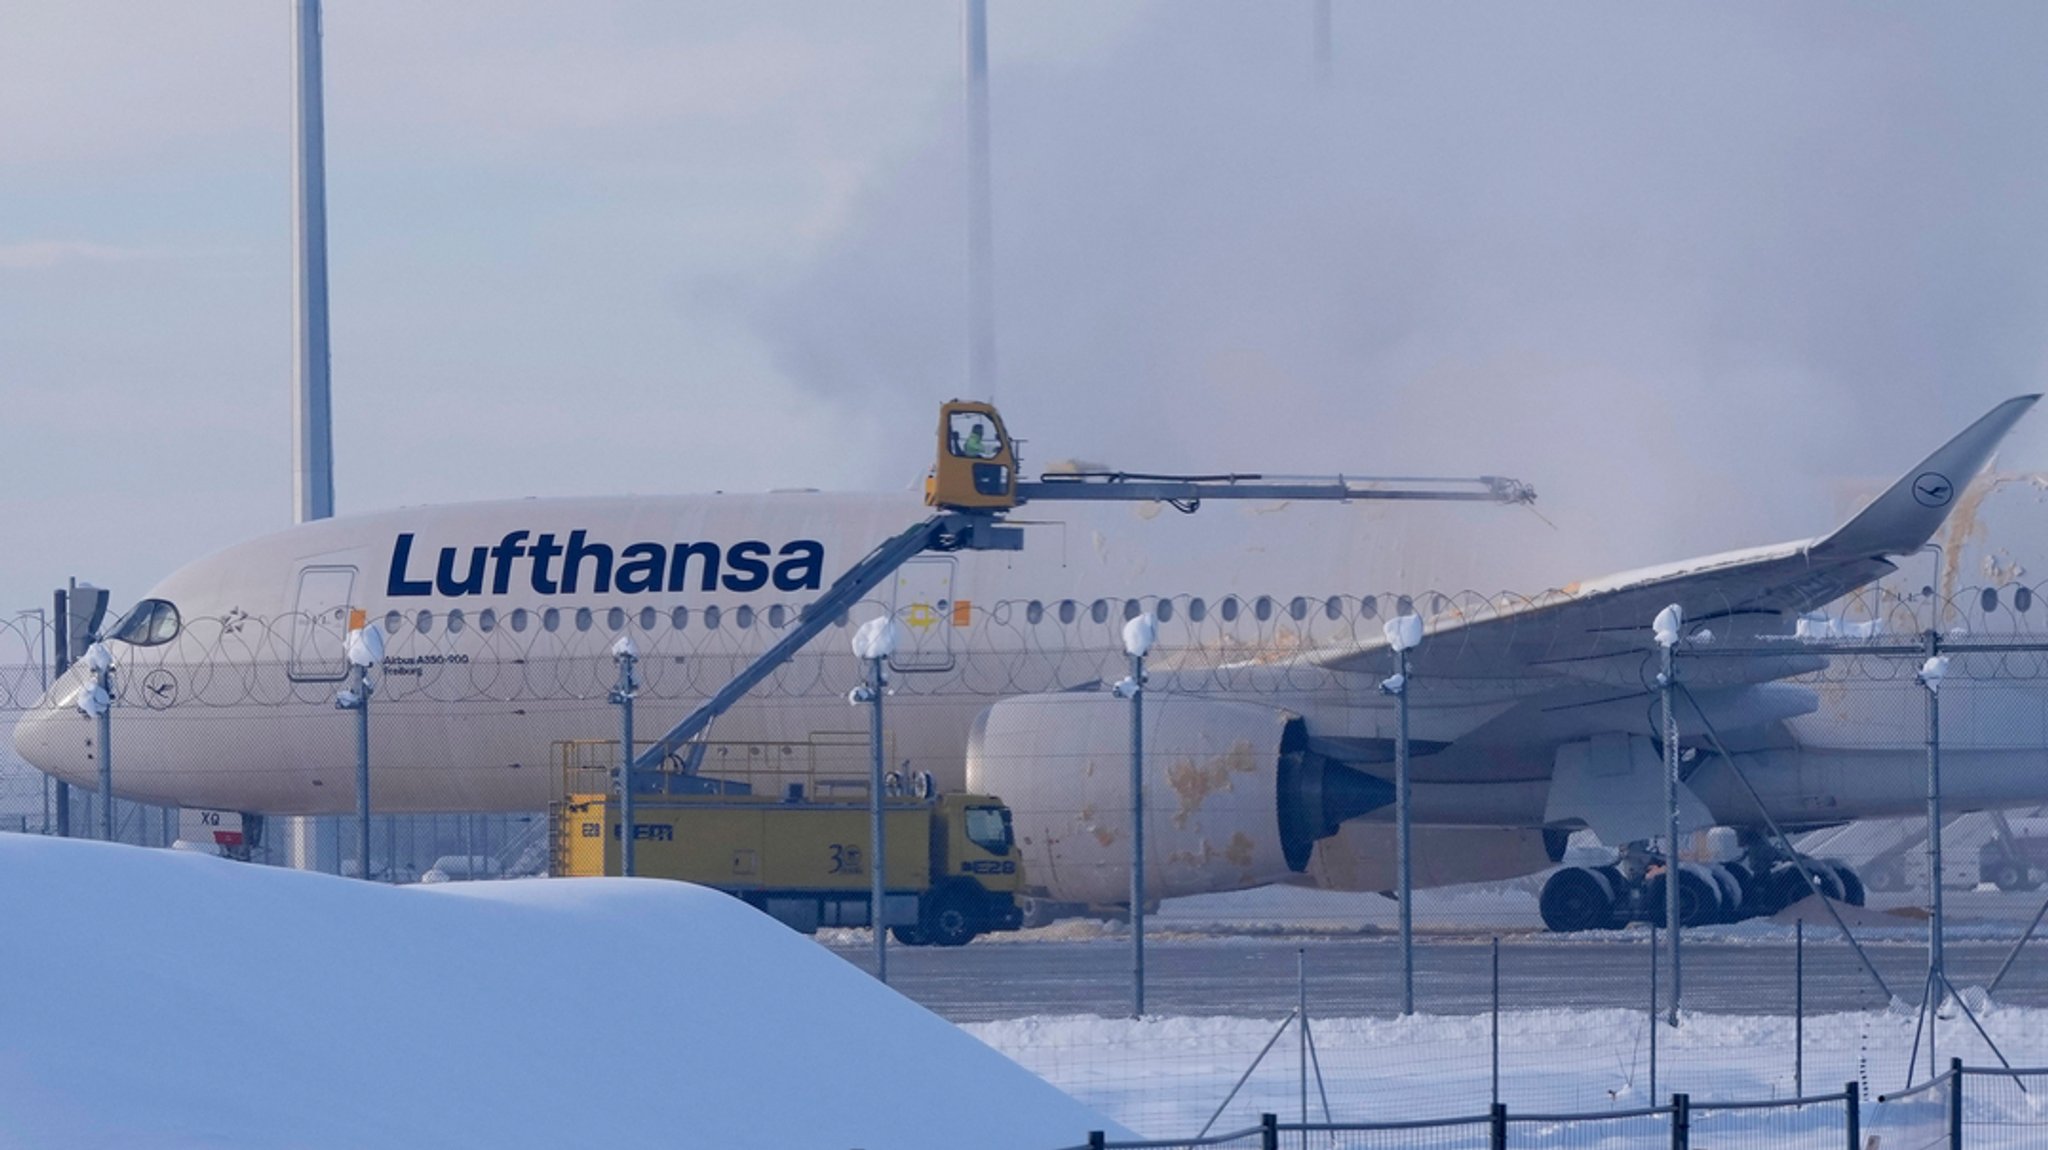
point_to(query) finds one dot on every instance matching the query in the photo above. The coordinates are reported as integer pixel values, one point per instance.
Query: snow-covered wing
(1601, 631)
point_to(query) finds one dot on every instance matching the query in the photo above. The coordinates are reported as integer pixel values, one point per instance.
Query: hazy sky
(1683, 267)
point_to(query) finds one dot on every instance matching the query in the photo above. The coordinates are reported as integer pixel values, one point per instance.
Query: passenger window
(744, 617)
(392, 622)
(518, 619)
(615, 619)
(1333, 608)
(679, 618)
(2022, 599)
(1263, 608)
(1369, 608)
(424, 623)
(550, 619)
(583, 618)
(777, 616)
(648, 617)
(711, 617)
(1067, 608)
(1297, 609)
(1164, 612)
(1133, 608)
(1099, 611)
(1034, 612)
(487, 620)
(1229, 609)
(455, 621)
(1197, 610)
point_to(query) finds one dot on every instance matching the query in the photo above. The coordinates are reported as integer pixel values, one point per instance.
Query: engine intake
(1234, 797)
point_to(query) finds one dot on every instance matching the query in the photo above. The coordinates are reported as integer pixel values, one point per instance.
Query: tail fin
(1908, 514)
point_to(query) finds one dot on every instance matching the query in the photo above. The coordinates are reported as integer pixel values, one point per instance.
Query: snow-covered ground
(1166, 1077)
(165, 999)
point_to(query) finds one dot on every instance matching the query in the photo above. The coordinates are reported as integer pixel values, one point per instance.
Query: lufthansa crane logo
(1932, 489)
(159, 689)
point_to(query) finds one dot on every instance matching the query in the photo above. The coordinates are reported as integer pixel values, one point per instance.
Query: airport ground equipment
(952, 863)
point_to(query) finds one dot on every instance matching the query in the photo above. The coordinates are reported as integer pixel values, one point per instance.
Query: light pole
(1404, 634)
(1139, 635)
(1666, 627)
(873, 643)
(627, 655)
(365, 651)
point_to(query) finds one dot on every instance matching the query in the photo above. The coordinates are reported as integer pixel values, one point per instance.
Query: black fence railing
(1824, 1122)
(1987, 1107)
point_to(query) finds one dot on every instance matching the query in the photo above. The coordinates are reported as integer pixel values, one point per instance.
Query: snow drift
(170, 999)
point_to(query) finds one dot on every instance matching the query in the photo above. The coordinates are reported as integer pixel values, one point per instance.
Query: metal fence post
(1139, 634)
(365, 651)
(1653, 1012)
(1852, 1116)
(1955, 1104)
(1666, 627)
(1497, 1127)
(873, 643)
(1799, 1009)
(877, 825)
(102, 662)
(627, 655)
(1496, 1020)
(1269, 1132)
(1681, 1121)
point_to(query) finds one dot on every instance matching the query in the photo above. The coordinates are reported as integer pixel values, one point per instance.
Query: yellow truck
(952, 870)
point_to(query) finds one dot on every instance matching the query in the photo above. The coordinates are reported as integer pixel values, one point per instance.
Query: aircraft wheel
(907, 935)
(1885, 876)
(1731, 892)
(1576, 899)
(2010, 876)
(1699, 898)
(1845, 876)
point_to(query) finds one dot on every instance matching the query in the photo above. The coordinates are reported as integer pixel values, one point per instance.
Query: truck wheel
(2010, 877)
(948, 918)
(907, 935)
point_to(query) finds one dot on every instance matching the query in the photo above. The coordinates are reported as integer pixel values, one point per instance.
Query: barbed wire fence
(275, 681)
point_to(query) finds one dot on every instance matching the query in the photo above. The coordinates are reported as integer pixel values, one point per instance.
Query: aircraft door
(924, 605)
(320, 624)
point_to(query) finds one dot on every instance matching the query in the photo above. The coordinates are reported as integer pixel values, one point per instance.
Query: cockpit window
(153, 622)
(989, 828)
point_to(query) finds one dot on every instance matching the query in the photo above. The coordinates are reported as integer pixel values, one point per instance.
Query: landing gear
(1760, 884)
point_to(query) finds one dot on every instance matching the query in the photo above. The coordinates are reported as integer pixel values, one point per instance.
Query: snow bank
(164, 998)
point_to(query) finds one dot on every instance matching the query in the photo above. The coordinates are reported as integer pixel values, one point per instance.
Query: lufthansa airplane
(1269, 742)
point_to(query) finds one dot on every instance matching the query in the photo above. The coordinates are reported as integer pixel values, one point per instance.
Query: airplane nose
(55, 738)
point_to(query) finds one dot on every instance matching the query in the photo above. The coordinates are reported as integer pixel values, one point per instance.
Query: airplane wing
(1599, 632)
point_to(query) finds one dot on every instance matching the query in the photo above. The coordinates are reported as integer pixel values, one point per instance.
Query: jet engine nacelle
(1233, 797)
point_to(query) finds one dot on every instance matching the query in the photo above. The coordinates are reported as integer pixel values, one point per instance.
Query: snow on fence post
(97, 702)
(626, 654)
(1139, 635)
